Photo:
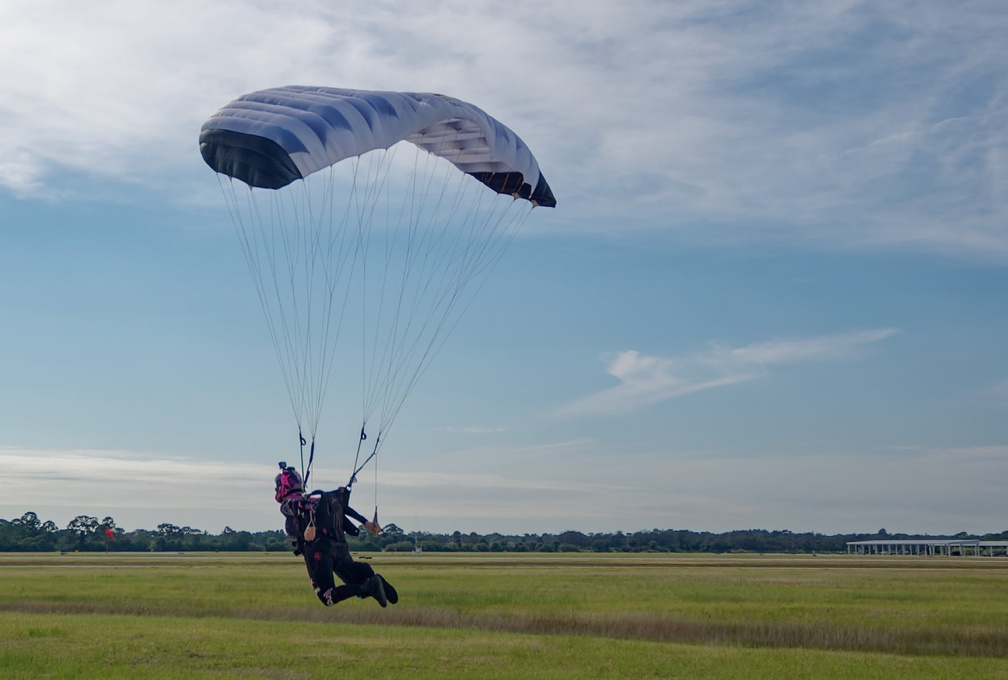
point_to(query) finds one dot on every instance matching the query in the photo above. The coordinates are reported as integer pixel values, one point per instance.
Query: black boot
(375, 588)
(390, 593)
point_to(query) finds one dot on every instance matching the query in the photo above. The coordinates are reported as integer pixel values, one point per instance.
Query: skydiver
(321, 522)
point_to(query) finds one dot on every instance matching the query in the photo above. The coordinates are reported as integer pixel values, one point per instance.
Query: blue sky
(772, 294)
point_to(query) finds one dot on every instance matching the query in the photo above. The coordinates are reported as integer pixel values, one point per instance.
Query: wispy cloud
(999, 390)
(645, 380)
(952, 455)
(137, 490)
(906, 488)
(473, 429)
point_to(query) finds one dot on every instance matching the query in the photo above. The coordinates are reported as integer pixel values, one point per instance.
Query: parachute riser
(306, 470)
(374, 452)
(303, 442)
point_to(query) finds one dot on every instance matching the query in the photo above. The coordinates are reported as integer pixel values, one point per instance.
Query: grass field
(506, 616)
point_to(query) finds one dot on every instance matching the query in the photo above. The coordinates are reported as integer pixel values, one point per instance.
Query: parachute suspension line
(297, 255)
(444, 240)
(476, 262)
(321, 276)
(336, 244)
(279, 247)
(401, 235)
(276, 249)
(379, 165)
(283, 270)
(298, 258)
(377, 175)
(420, 269)
(302, 257)
(361, 204)
(253, 243)
(380, 358)
(376, 179)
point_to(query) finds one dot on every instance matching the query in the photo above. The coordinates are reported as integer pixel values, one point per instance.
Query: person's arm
(350, 512)
(373, 527)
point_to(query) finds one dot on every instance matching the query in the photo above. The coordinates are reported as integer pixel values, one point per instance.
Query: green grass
(506, 616)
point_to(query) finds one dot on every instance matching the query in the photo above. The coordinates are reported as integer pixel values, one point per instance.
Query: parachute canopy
(271, 138)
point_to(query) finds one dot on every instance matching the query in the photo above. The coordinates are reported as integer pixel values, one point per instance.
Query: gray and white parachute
(368, 221)
(271, 138)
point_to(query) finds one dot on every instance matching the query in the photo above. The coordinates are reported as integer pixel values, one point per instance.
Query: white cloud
(847, 124)
(647, 380)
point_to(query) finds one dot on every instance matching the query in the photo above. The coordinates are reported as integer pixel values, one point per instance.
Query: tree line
(83, 533)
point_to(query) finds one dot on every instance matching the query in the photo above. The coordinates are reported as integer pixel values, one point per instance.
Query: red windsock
(110, 534)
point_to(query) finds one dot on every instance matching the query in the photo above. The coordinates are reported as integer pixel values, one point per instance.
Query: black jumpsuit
(328, 553)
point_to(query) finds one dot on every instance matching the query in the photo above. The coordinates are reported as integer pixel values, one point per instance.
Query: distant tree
(238, 541)
(80, 531)
(83, 525)
(575, 538)
(392, 534)
(29, 521)
(392, 530)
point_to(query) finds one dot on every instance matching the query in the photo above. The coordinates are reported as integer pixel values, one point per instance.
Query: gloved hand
(373, 527)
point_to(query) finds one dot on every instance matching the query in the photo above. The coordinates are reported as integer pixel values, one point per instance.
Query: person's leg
(346, 568)
(320, 560)
(358, 574)
(319, 564)
(343, 592)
